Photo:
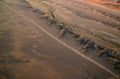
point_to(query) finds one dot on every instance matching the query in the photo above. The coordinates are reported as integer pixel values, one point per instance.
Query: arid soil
(92, 21)
(113, 4)
(28, 52)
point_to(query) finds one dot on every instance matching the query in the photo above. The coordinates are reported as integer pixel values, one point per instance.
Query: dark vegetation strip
(86, 43)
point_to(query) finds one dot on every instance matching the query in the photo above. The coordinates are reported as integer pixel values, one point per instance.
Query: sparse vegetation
(84, 39)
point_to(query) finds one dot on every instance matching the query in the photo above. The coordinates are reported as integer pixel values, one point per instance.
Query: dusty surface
(113, 4)
(27, 52)
(93, 21)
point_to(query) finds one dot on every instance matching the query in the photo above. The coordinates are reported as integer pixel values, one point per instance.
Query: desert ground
(45, 39)
(113, 4)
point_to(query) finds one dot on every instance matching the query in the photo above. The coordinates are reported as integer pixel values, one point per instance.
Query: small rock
(100, 47)
(76, 35)
(84, 40)
(61, 26)
(46, 17)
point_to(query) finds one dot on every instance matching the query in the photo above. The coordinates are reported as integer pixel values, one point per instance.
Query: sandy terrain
(113, 4)
(29, 52)
(87, 19)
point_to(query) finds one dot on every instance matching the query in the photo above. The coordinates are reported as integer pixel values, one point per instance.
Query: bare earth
(96, 22)
(113, 4)
(30, 48)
